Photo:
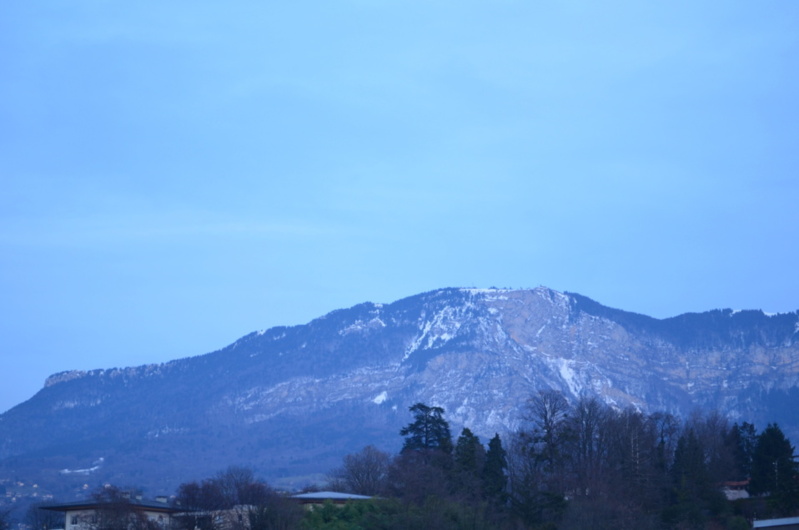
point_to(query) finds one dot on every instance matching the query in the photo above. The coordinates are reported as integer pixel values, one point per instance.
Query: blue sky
(174, 175)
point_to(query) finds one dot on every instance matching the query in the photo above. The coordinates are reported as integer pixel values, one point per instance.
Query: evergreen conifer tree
(694, 493)
(469, 453)
(467, 465)
(774, 470)
(494, 477)
(742, 440)
(428, 431)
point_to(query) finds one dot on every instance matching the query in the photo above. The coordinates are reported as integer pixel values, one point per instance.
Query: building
(735, 490)
(318, 498)
(134, 512)
(787, 523)
(235, 518)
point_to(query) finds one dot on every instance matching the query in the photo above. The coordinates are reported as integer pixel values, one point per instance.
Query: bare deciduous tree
(364, 472)
(547, 412)
(589, 445)
(116, 511)
(39, 519)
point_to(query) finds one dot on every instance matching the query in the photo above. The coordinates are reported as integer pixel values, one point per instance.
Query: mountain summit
(290, 401)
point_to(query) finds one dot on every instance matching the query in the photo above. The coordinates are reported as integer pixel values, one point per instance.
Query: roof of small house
(330, 495)
(786, 522)
(153, 506)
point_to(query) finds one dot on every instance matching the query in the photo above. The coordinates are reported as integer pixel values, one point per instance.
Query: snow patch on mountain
(439, 330)
(556, 298)
(165, 431)
(360, 326)
(566, 370)
(86, 471)
(488, 295)
(484, 291)
(62, 377)
(71, 404)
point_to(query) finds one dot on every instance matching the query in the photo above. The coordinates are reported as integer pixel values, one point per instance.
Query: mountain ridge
(291, 400)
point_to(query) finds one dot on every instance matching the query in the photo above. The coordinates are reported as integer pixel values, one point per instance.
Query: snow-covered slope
(290, 401)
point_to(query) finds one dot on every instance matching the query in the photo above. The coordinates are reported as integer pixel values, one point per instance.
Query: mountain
(290, 401)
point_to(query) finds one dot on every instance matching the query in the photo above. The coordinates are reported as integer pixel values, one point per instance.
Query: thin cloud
(156, 228)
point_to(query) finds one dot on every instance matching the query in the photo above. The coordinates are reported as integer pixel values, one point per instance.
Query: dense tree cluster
(431, 483)
(574, 466)
(586, 465)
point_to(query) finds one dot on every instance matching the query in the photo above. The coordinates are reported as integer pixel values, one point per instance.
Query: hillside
(290, 401)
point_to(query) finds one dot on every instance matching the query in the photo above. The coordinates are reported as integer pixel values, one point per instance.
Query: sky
(177, 174)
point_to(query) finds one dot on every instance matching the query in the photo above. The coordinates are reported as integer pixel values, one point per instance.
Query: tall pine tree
(494, 478)
(774, 470)
(467, 465)
(428, 431)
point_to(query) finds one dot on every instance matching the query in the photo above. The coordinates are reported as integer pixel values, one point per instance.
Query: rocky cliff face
(290, 401)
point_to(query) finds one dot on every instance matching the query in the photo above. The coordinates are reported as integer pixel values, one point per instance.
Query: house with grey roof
(315, 499)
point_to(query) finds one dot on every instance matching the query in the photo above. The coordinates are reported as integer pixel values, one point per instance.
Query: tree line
(574, 465)
(570, 465)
